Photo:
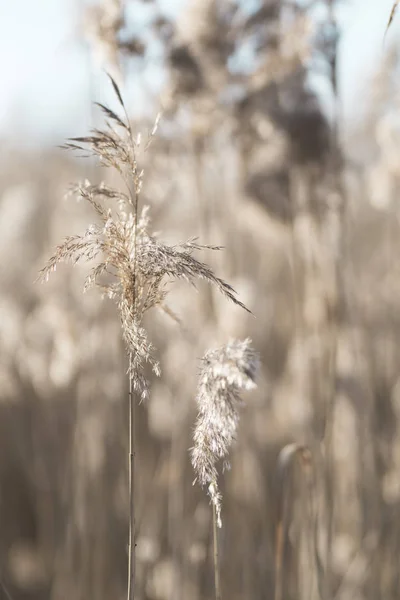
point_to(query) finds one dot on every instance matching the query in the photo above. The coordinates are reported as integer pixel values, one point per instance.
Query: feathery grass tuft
(132, 266)
(225, 372)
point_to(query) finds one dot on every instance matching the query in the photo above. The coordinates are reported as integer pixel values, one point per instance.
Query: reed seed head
(225, 373)
(132, 266)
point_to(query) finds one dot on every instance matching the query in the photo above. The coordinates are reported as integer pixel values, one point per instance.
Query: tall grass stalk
(132, 266)
(286, 460)
(224, 373)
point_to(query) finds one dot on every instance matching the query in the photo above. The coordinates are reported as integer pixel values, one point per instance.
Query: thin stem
(280, 531)
(131, 467)
(131, 564)
(217, 580)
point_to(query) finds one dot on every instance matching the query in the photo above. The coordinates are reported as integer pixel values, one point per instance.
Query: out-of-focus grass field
(308, 214)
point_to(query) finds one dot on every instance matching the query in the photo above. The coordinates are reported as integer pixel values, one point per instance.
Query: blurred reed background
(250, 157)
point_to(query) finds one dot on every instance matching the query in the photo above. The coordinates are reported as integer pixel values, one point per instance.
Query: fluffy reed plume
(138, 266)
(134, 266)
(225, 372)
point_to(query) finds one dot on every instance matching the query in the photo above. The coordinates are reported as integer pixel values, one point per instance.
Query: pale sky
(45, 89)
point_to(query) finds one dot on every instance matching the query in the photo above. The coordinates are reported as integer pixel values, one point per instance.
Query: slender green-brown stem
(131, 549)
(217, 580)
(132, 556)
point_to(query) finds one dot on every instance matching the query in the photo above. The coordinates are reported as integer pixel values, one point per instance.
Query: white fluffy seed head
(225, 372)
